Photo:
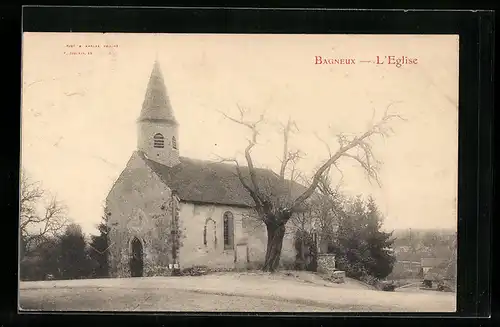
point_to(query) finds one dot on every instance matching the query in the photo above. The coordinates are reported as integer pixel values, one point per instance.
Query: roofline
(119, 176)
(217, 203)
(145, 159)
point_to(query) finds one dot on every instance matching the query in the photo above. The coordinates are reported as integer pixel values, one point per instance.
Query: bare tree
(275, 205)
(319, 220)
(38, 220)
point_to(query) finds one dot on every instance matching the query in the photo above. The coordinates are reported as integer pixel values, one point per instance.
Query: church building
(167, 211)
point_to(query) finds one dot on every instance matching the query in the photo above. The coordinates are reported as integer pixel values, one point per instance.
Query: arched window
(174, 142)
(158, 141)
(228, 231)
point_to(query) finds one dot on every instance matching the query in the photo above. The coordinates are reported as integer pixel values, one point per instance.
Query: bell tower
(157, 128)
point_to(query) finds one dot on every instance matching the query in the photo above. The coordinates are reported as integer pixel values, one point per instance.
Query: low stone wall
(338, 277)
(326, 265)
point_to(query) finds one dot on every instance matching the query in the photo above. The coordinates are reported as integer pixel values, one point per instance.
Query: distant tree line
(425, 243)
(51, 246)
(67, 256)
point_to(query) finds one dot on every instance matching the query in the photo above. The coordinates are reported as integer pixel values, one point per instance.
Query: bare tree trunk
(275, 235)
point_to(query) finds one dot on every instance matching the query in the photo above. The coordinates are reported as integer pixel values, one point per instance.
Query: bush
(159, 271)
(427, 283)
(442, 287)
(353, 269)
(220, 269)
(370, 280)
(32, 269)
(387, 286)
(195, 271)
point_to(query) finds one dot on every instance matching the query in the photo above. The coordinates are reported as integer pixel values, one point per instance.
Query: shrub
(388, 287)
(158, 271)
(220, 269)
(195, 271)
(370, 280)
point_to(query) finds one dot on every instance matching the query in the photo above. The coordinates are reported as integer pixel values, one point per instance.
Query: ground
(240, 292)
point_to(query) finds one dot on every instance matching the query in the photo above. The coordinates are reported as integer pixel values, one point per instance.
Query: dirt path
(106, 299)
(276, 288)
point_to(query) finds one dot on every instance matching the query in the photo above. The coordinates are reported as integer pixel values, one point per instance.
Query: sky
(79, 111)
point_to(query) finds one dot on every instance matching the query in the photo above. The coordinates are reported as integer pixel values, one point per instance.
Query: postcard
(238, 172)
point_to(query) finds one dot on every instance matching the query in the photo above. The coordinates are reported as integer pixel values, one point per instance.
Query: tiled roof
(217, 183)
(156, 105)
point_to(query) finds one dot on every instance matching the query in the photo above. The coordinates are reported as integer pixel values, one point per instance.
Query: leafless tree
(275, 204)
(38, 220)
(318, 222)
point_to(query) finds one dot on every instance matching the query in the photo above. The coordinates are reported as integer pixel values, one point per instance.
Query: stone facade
(207, 248)
(203, 241)
(134, 208)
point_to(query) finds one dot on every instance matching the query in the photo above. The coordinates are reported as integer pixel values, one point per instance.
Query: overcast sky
(79, 111)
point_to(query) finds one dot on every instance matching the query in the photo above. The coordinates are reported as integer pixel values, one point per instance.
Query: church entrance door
(136, 260)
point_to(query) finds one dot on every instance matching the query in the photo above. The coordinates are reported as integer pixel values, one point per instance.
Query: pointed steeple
(156, 106)
(157, 128)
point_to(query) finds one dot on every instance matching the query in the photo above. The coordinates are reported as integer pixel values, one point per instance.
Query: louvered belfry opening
(159, 141)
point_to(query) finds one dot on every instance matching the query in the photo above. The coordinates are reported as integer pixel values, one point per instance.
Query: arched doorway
(136, 259)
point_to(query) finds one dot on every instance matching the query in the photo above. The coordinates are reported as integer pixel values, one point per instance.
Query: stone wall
(194, 250)
(249, 234)
(134, 207)
(326, 263)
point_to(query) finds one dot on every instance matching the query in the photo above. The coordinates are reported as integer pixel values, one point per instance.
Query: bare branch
(346, 144)
(325, 144)
(252, 126)
(370, 170)
(288, 156)
(36, 223)
(252, 192)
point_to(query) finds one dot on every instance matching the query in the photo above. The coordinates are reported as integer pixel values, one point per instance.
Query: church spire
(157, 128)
(156, 105)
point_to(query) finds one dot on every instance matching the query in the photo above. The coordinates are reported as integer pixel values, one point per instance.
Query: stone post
(326, 265)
